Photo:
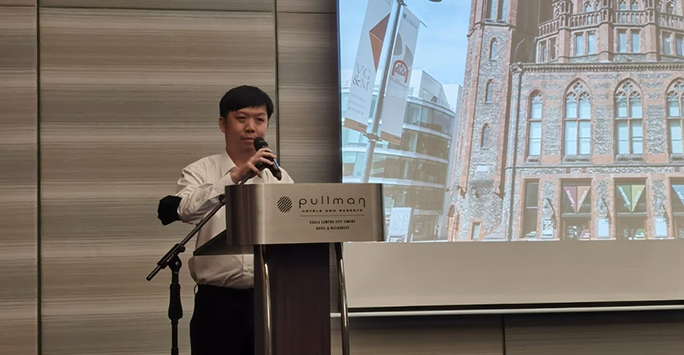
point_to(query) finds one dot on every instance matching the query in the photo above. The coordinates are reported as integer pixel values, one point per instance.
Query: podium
(290, 228)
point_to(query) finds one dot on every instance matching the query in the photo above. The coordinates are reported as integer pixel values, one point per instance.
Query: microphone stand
(172, 260)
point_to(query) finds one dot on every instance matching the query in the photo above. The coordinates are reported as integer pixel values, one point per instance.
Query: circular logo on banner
(284, 204)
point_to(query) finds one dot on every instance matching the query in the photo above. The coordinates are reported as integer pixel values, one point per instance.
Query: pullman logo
(284, 204)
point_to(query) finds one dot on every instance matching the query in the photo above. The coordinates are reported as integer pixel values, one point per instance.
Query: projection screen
(531, 152)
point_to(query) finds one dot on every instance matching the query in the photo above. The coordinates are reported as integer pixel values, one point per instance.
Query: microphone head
(259, 143)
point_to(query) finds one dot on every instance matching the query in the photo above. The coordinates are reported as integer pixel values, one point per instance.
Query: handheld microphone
(275, 168)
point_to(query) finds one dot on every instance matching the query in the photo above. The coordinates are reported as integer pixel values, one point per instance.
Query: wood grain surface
(225, 5)
(308, 97)
(129, 97)
(18, 182)
(301, 6)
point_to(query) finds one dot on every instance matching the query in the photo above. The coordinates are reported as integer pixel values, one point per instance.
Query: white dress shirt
(199, 187)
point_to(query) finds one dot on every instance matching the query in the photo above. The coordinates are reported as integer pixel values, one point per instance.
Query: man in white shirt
(222, 322)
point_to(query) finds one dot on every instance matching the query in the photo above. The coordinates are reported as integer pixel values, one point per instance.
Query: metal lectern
(290, 228)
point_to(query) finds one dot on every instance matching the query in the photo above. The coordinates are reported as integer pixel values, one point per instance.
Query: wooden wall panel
(233, 5)
(629, 333)
(308, 96)
(435, 335)
(129, 97)
(318, 6)
(18, 181)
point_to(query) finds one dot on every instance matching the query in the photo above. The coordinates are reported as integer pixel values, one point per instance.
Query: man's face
(241, 127)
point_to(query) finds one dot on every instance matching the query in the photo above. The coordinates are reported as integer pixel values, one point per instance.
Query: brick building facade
(572, 119)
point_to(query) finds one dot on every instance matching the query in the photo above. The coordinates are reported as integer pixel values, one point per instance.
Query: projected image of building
(415, 172)
(572, 122)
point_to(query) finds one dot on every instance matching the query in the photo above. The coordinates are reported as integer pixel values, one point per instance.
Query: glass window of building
(630, 206)
(441, 121)
(432, 145)
(409, 140)
(636, 45)
(678, 208)
(666, 43)
(534, 144)
(591, 42)
(587, 6)
(675, 104)
(669, 8)
(409, 169)
(552, 48)
(493, 50)
(542, 52)
(628, 121)
(499, 10)
(679, 45)
(413, 114)
(623, 5)
(622, 41)
(352, 137)
(577, 122)
(352, 164)
(597, 5)
(491, 10)
(576, 210)
(634, 6)
(531, 203)
(426, 117)
(381, 164)
(579, 44)
(535, 138)
(344, 100)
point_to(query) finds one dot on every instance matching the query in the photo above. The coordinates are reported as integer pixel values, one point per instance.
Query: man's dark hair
(244, 96)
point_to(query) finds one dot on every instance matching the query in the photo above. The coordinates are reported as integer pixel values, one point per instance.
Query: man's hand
(263, 156)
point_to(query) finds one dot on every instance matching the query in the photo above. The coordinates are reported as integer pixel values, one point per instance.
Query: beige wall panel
(18, 181)
(129, 97)
(236, 5)
(18, 2)
(441, 335)
(319, 6)
(635, 333)
(308, 96)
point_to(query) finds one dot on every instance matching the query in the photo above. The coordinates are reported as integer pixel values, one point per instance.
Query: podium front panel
(304, 213)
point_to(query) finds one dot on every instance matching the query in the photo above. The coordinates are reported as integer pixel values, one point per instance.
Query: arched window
(484, 138)
(489, 96)
(628, 120)
(534, 136)
(493, 50)
(577, 121)
(622, 6)
(597, 5)
(587, 7)
(634, 6)
(675, 116)
(666, 6)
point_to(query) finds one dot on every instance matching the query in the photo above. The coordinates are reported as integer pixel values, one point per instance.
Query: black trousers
(223, 321)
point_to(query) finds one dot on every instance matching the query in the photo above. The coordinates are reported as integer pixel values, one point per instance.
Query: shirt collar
(227, 163)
